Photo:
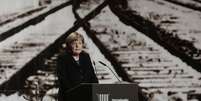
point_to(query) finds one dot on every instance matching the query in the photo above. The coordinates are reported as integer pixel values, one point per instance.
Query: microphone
(110, 70)
(94, 65)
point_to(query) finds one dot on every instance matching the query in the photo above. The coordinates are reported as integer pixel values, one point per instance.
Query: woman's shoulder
(84, 53)
(63, 55)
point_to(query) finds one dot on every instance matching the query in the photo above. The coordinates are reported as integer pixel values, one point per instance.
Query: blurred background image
(153, 43)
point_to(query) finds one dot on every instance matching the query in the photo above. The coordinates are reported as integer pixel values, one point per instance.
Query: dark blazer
(71, 74)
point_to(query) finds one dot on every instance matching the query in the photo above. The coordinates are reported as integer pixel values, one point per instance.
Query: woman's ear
(62, 48)
(64, 45)
(84, 45)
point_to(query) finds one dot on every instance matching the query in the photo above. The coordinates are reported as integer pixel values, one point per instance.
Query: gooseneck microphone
(94, 65)
(110, 70)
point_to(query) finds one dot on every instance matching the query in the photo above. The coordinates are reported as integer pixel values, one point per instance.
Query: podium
(103, 92)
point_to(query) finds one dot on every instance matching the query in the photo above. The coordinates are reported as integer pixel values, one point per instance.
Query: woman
(74, 65)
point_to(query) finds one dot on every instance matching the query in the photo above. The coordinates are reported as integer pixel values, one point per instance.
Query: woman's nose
(77, 45)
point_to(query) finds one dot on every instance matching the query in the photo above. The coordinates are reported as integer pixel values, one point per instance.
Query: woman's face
(76, 47)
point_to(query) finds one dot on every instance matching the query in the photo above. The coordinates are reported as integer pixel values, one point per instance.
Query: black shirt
(72, 73)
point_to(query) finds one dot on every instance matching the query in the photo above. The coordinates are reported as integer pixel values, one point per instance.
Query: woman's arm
(62, 74)
(94, 79)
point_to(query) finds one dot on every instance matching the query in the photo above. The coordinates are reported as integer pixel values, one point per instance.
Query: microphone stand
(110, 70)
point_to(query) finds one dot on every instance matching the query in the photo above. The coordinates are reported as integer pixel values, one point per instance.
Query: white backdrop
(12, 6)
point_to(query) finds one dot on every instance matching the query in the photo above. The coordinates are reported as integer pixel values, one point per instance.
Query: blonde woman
(74, 65)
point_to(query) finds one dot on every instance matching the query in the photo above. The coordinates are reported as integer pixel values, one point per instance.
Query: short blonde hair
(73, 37)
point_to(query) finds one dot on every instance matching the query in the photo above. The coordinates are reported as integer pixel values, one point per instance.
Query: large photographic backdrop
(155, 44)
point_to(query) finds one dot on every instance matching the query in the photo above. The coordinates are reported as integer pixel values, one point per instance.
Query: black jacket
(71, 74)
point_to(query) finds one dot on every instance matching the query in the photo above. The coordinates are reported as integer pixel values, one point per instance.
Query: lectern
(103, 92)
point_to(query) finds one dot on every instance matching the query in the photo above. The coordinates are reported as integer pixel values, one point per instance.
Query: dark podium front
(103, 92)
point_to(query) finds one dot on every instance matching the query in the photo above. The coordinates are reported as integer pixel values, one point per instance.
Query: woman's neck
(76, 57)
